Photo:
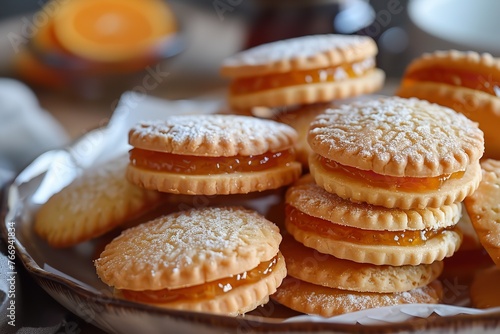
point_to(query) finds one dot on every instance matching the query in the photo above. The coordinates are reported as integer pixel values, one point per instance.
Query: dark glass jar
(279, 19)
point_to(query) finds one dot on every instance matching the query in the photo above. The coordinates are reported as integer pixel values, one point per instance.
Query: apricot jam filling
(204, 291)
(455, 77)
(197, 165)
(419, 184)
(358, 236)
(320, 75)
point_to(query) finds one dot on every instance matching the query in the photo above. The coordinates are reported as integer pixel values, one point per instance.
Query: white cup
(454, 24)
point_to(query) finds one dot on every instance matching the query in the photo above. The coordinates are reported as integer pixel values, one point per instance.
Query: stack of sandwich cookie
(324, 285)
(381, 199)
(222, 260)
(212, 154)
(290, 76)
(346, 256)
(367, 233)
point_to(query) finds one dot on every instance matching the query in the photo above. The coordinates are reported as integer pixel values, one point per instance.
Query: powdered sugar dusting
(293, 48)
(399, 137)
(103, 182)
(314, 299)
(301, 53)
(213, 135)
(189, 248)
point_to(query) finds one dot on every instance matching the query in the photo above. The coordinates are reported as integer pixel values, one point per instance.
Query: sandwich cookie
(222, 260)
(97, 201)
(212, 154)
(370, 234)
(303, 70)
(467, 82)
(396, 152)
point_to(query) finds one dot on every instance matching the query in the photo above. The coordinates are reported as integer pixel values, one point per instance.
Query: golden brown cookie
(315, 201)
(467, 82)
(212, 154)
(396, 152)
(327, 302)
(394, 248)
(370, 234)
(96, 202)
(302, 70)
(484, 289)
(217, 259)
(309, 265)
(484, 209)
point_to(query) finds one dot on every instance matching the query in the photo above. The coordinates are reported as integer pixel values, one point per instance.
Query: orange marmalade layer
(419, 184)
(320, 75)
(204, 291)
(487, 83)
(358, 236)
(196, 165)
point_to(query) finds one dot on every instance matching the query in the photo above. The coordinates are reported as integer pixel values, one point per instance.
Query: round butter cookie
(303, 70)
(96, 202)
(222, 260)
(370, 234)
(484, 209)
(484, 289)
(467, 82)
(309, 265)
(396, 152)
(212, 155)
(327, 302)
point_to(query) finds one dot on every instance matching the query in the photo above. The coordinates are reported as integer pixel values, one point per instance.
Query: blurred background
(76, 59)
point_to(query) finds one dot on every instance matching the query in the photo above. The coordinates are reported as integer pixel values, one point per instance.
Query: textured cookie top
(471, 61)
(212, 135)
(327, 302)
(188, 248)
(94, 203)
(301, 53)
(397, 137)
(315, 201)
